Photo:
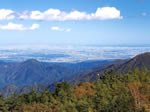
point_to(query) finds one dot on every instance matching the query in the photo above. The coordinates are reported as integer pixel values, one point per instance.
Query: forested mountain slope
(120, 66)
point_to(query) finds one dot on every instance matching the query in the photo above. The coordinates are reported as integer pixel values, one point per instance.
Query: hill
(113, 93)
(12, 89)
(85, 65)
(31, 71)
(16, 78)
(120, 66)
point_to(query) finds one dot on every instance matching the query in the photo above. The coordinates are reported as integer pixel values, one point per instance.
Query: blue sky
(96, 22)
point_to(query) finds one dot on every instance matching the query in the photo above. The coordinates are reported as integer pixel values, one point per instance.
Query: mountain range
(33, 71)
(32, 74)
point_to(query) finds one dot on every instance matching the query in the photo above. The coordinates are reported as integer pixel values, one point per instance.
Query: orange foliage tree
(84, 89)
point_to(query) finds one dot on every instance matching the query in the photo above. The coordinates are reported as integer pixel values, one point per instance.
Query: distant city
(70, 54)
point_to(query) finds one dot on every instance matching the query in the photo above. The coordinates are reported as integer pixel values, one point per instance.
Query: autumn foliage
(113, 93)
(84, 89)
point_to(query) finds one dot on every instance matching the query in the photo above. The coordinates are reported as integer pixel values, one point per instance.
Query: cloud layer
(104, 13)
(12, 26)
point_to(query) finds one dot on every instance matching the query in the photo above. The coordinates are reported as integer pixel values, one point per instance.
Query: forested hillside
(113, 93)
(120, 66)
(16, 78)
(32, 71)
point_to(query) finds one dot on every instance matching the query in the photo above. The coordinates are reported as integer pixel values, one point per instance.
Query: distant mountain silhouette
(31, 71)
(32, 74)
(120, 66)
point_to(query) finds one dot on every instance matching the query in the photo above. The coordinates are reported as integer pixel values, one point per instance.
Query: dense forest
(113, 92)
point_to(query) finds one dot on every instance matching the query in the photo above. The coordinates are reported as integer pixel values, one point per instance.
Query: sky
(79, 22)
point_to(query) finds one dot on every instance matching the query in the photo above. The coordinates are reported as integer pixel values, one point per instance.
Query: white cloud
(34, 26)
(12, 26)
(56, 28)
(6, 14)
(58, 15)
(107, 13)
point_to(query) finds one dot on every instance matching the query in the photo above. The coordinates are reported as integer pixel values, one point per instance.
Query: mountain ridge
(123, 66)
(29, 72)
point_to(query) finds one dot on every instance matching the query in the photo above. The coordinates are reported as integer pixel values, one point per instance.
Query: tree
(64, 92)
(2, 104)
